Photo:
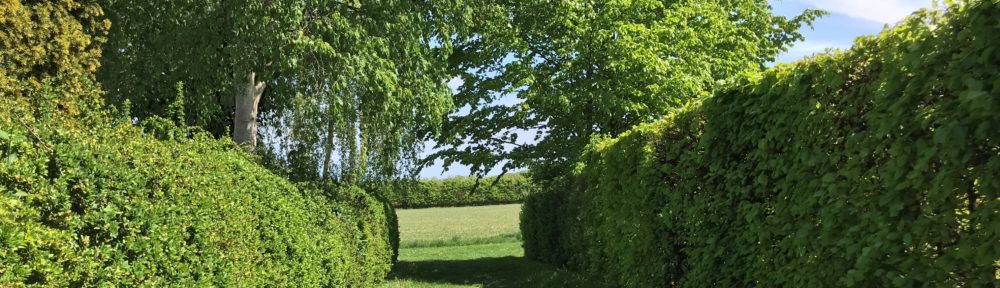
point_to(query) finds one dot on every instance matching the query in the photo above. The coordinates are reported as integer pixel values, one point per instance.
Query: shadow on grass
(488, 272)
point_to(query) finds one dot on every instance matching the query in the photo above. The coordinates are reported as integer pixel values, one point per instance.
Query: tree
(583, 68)
(351, 88)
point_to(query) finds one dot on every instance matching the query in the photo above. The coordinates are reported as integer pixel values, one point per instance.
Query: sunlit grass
(460, 241)
(469, 247)
(446, 224)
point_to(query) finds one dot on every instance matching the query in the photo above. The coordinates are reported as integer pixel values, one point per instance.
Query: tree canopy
(568, 70)
(351, 87)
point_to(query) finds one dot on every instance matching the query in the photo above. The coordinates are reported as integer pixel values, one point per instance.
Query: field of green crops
(469, 247)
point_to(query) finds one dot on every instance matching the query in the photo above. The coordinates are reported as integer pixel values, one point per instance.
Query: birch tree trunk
(328, 150)
(245, 126)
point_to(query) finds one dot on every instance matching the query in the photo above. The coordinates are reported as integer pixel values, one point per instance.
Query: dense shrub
(459, 191)
(549, 218)
(92, 204)
(373, 212)
(87, 199)
(873, 167)
(51, 42)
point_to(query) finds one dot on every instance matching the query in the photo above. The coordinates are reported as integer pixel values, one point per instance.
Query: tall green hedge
(872, 167)
(459, 191)
(374, 212)
(96, 204)
(91, 200)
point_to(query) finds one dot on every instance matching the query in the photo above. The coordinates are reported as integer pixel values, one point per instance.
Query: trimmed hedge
(87, 199)
(459, 191)
(377, 215)
(100, 205)
(872, 167)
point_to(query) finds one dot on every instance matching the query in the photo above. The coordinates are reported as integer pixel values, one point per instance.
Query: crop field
(469, 247)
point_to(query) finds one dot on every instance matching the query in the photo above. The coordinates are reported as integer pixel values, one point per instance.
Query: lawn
(469, 247)
(459, 225)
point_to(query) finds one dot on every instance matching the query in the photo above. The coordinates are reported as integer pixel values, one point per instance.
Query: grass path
(484, 265)
(469, 247)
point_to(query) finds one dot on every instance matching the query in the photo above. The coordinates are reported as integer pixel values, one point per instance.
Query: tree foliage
(583, 68)
(351, 86)
(873, 167)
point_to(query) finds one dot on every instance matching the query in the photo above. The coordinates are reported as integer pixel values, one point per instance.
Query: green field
(459, 225)
(469, 247)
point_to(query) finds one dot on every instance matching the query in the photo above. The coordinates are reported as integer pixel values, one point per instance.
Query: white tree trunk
(245, 130)
(328, 151)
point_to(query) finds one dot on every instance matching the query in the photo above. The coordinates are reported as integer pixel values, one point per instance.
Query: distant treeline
(459, 191)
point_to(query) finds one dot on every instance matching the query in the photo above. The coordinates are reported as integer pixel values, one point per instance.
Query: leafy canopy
(348, 82)
(567, 70)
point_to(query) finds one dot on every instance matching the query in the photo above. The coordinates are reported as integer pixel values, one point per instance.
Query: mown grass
(446, 224)
(459, 241)
(469, 247)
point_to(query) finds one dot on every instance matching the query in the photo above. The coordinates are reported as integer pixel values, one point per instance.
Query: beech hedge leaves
(872, 167)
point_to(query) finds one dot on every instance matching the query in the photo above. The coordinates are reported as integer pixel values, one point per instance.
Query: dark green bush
(459, 191)
(873, 167)
(546, 217)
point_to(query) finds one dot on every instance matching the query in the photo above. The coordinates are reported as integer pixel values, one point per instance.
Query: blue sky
(848, 19)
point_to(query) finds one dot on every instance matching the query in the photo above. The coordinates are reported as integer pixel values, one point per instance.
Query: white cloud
(880, 11)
